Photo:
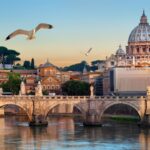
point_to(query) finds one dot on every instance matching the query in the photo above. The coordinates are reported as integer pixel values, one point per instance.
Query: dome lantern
(143, 18)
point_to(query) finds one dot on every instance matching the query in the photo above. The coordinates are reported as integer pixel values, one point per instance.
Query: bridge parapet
(120, 98)
(33, 97)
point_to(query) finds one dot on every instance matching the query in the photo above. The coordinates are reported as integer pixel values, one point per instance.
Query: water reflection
(68, 133)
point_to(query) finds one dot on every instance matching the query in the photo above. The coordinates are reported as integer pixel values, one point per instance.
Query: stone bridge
(91, 107)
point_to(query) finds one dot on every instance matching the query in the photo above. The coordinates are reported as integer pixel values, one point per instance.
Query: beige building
(129, 81)
(4, 76)
(90, 77)
(52, 78)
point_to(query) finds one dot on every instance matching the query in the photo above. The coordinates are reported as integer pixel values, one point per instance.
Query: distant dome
(47, 64)
(120, 51)
(141, 33)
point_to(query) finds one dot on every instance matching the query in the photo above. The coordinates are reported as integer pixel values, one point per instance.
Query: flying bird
(31, 33)
(87, 53)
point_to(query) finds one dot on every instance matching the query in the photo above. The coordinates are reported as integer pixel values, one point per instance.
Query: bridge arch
(49, 108)
(123, 103)
(19, 106)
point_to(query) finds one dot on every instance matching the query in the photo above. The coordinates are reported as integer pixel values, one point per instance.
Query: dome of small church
(47, 64)
(141, 33)
(120, 51)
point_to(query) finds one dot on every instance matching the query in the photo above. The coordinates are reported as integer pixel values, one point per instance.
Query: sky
(78, 26)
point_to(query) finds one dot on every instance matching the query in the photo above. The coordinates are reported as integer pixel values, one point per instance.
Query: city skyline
(78, 25)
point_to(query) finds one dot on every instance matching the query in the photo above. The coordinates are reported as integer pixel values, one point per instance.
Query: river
(66, 133)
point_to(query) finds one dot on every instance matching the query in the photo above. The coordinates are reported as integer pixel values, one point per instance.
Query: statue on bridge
(91, 91)
(148, 91)
(22, 88)
(1, 91)
(38, 89)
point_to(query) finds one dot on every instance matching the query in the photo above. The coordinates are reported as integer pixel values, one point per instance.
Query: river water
(66, 133)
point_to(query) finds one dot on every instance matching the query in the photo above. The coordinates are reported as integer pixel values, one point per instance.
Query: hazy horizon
(78, 25)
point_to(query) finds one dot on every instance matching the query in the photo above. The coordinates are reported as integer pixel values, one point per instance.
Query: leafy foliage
(32, 63)
(8, 56)
(95, 62)
(77, 67)
(13, 83)
(27, 64)
(74, 87)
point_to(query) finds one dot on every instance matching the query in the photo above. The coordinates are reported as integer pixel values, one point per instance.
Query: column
(92, 117)
(145, 122)
(38, 116)
(140, 50)
(134, 50)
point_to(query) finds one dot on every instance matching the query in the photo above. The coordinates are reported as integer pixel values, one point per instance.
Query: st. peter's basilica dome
(141, 33)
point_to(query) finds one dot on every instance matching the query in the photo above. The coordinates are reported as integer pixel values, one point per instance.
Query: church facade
(128, 72)
(138, 49)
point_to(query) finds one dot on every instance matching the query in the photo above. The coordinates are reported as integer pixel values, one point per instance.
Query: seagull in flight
(87, 53)
(31, 33)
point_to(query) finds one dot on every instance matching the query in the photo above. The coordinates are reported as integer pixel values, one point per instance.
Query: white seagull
(87, 53)
(31, 33)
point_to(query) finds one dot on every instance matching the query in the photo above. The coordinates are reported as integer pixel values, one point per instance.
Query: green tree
(27, 64)
(77, 67)
(13, 83)
(74, 87)
(32, 63)
(95, 62)
(3, 53)
(8, 56)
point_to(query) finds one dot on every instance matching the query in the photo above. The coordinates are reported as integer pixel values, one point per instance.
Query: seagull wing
(87, 53)
(17, 32)
(43, 26)
(89, 50)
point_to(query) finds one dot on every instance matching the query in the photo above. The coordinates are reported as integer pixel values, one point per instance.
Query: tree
(95, 62)
(32, 63)
(13, 83)
(26, 64)
(77, 67)
(3, 54)
(8, 56)
(74, 87)
(12, 57)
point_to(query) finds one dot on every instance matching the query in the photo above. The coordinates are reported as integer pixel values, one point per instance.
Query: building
(90, 77)
(4, 76)
(30, 77)
(128, 73)
(138, 49)
(52, 78)
(129, 81)
(6, 66)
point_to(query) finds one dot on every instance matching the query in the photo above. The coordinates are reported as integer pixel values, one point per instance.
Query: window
(112, 63)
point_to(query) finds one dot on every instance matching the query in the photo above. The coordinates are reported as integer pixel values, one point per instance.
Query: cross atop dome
(143, 18)
(143, 13)
(120, 47)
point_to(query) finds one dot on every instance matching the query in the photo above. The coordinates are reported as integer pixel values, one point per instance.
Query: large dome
(141, 33)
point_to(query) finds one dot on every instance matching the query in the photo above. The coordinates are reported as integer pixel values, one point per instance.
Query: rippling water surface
(69, 134)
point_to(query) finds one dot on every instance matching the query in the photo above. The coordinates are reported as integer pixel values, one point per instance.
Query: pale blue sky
(78, 25)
